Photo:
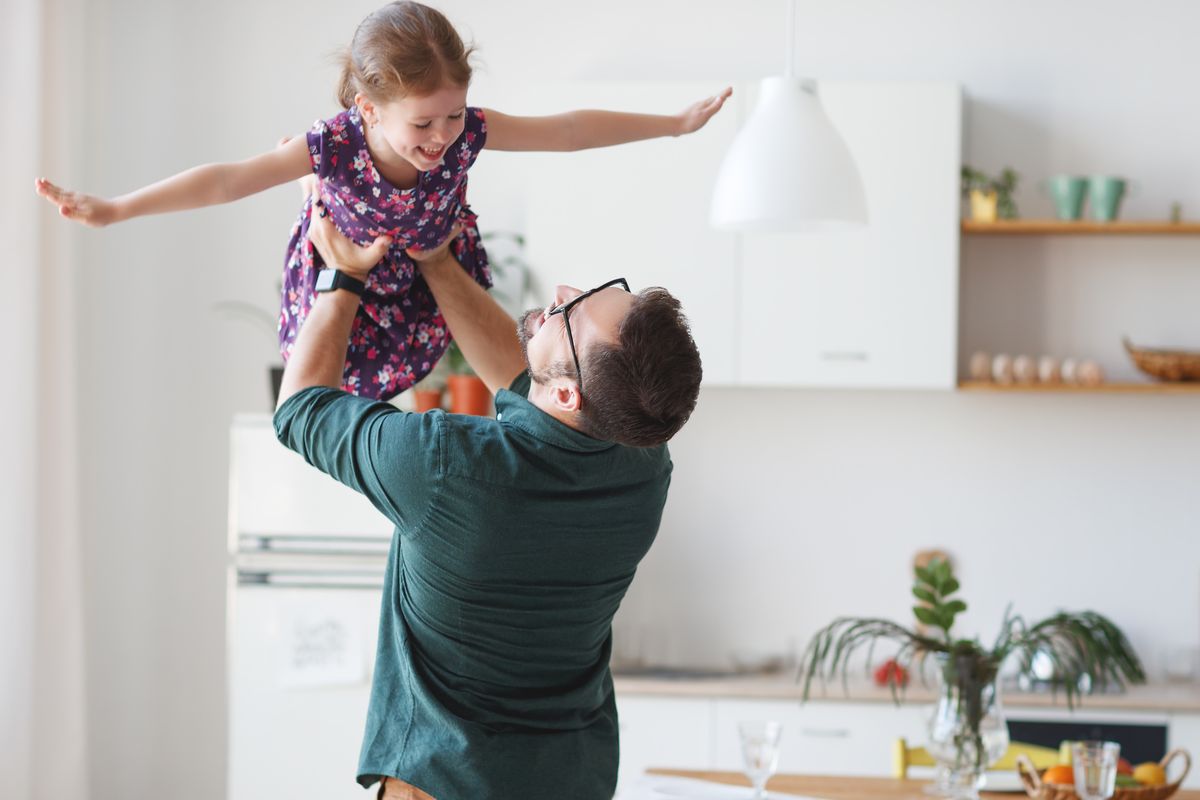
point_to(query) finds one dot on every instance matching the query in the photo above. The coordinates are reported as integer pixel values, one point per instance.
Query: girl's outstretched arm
(581, 130)
(206, 185)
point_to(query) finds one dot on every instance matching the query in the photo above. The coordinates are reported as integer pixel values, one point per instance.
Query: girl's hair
(403, 48)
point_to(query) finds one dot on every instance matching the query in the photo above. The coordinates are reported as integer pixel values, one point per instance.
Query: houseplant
(468, 393)
(968, 730)
(990, 196)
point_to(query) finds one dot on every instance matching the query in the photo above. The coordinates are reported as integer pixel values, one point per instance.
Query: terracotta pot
(469, 395)
(427, 399)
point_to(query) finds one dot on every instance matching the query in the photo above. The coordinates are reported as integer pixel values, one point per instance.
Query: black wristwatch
(329, 280)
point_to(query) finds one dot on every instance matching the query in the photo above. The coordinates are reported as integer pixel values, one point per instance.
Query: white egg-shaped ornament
(1002, 369)
(1070, 370)
(980, 366)
(1049, 371)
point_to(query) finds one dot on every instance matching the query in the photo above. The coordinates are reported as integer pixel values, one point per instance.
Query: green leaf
(924, 575)
(924, 594)
(955, 607)
(927, 615)
(950, 586)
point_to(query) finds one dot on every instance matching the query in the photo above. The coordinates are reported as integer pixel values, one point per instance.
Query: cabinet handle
(826, 733)
(845, 355)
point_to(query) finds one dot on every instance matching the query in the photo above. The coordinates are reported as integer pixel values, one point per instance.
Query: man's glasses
(565, 310)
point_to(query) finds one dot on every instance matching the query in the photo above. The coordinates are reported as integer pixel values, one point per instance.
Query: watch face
(325, 280)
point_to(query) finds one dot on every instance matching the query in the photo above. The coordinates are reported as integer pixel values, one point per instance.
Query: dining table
(846, 787)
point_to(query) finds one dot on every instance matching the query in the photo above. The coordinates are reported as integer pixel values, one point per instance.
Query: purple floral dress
(398, 334)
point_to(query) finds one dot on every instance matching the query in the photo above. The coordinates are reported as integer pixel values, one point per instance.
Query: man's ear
(565, 396)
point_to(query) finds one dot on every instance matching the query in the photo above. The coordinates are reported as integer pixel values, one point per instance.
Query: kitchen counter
(1184, 698)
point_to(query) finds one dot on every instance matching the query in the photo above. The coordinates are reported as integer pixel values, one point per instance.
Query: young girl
(394, 163)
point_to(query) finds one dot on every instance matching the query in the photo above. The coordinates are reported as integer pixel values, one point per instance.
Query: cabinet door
(822, 738)
(667, 732)
(1184, 732)
(638, 210)
(877, 306)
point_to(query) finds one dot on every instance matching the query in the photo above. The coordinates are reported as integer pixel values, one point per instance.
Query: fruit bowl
(1166, 365)
(1038, 790)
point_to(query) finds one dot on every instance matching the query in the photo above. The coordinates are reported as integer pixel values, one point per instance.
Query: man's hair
(641, 390)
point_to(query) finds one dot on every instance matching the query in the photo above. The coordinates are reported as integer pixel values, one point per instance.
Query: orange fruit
(1060, 774)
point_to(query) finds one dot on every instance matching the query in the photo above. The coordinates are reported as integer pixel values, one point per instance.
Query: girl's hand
(695, 116)
(339, 252)
(95, 212)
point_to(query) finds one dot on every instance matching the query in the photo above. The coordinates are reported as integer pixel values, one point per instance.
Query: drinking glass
(760, 752)
(1095, 769)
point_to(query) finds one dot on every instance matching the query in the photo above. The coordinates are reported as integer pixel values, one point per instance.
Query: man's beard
(543, 376)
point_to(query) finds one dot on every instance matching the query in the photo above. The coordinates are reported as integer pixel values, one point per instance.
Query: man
(516, 537)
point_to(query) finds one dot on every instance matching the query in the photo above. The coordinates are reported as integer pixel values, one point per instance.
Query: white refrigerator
(305, 574)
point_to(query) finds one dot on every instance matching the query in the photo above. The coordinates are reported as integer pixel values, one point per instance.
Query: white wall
(816, 500)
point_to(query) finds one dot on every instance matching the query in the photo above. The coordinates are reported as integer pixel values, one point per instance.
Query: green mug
(1068, 192)
(1104, 194)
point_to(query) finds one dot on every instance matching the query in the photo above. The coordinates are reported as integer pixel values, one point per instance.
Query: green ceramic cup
(1068, 192)
(1104, 195)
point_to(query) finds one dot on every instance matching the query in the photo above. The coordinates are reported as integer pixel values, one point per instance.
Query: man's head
(620, 367)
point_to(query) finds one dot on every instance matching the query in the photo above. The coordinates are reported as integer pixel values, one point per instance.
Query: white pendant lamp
(788, 169)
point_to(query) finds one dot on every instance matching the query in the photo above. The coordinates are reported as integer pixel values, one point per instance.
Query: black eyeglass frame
(565, 310)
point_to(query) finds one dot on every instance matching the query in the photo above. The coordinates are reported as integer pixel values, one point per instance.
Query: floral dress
(398, 333)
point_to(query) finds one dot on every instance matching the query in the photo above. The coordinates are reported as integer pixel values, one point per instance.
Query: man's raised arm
(485, 332)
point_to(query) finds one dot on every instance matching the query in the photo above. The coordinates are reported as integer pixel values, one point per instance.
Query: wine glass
(1095, 769)
(760, 752)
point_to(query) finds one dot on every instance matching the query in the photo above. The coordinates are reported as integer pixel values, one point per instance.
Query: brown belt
(395, 789)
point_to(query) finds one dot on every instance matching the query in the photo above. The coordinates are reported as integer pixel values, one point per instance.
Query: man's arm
(485, 332)
(319, 355)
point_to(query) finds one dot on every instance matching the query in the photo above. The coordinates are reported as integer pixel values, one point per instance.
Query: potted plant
(990, 196)
(468, 393)
(968, 730)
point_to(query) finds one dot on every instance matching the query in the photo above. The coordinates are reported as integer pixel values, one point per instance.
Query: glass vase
(968, 731)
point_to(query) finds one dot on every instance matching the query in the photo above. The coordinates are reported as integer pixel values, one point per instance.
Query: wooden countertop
(1182, 698)
(848, 788)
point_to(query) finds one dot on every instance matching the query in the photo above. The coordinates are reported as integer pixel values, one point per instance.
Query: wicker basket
(1166, 365)
(1061, 791)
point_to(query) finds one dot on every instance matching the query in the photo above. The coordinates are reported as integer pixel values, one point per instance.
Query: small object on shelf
(1049, 370)
(980, 366)
(1067, 192)
(1002, 369)
(990, 196)
(1089, 373)
(1025, 369)
(891, 673)
(1166, 365)
(1070, 370)
(1104, 196)
(1176, 213)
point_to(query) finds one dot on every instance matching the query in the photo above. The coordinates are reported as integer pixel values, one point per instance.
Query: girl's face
(420, 129)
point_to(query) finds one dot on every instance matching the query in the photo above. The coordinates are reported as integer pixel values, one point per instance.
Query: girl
(394, 163)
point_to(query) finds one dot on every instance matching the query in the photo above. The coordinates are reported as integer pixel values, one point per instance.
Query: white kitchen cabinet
(1184, 731)
(873, 307)
(821, 738)
(876, 306)
(275, 491)
(664, 732)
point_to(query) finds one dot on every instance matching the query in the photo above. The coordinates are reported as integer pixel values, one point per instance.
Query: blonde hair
(402, 49)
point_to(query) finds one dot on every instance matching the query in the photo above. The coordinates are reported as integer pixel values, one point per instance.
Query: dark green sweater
(516, 539)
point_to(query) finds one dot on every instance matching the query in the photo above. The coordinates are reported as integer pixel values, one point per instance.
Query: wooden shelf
(1054, 227)
(1063, 388)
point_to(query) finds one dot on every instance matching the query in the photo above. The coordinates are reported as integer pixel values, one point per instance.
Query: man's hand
(339, 252)
(436, 255)
(697, 115)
